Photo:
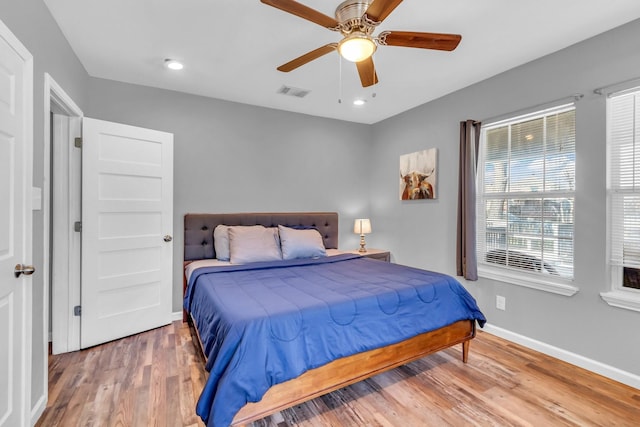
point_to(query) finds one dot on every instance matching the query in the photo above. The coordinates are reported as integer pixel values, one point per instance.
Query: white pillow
(221, 242)
(253, 243)
(301, 243)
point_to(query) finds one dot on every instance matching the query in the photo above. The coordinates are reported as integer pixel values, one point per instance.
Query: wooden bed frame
(198, 241)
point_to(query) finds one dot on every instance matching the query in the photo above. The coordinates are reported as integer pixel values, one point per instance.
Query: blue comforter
(265, 323)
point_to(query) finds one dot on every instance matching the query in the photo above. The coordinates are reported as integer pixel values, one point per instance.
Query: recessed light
(172, 64)
(359, 102)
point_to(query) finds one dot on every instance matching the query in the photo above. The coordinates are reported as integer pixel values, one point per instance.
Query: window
(623, 191)
(525, 197)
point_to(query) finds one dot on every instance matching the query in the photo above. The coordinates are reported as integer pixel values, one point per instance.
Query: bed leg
(465, 351)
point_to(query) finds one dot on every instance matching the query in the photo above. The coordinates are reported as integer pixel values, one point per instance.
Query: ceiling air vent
(293, 91)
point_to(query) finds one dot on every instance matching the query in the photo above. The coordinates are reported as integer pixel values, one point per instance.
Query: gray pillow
(221, 242)
(253, 244)
(301, 243)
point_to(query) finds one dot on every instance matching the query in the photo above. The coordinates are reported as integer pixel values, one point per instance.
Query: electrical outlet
(501, 302)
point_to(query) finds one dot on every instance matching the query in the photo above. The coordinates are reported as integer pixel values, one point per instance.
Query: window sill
(622, 299)
(563, 287)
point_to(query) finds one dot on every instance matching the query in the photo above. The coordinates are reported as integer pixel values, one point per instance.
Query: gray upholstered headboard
(198, 228)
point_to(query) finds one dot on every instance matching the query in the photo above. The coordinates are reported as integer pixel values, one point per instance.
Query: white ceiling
(231, 48)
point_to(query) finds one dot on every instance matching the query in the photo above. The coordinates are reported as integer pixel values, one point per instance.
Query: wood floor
(155, 378)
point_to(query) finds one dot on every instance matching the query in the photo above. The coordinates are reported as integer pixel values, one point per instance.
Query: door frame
(65, 327)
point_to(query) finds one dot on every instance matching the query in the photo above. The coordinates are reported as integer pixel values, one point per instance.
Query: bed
(279, 332)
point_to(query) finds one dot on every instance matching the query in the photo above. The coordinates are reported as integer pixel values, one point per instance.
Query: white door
(16, 165)
(127, 222)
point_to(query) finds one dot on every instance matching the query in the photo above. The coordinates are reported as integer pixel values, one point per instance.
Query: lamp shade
(362, 226)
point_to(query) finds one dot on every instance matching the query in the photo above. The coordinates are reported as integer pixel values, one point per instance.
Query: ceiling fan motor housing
(350, 15)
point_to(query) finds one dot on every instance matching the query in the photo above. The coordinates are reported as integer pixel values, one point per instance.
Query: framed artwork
(418, 175)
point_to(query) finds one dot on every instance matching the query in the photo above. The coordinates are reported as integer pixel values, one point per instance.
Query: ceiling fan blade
(307, 57)
(304, 12)
(380, 9)
(420, 40)
(367, 71)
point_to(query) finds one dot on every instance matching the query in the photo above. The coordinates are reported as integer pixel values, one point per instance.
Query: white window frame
(547, 283)
(617, 296)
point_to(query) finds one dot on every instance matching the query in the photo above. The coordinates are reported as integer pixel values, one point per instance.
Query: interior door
(127, 222)
(16, 165)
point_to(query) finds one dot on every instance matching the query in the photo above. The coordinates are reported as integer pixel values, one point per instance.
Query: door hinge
(77, 310)
(77, 142)
(77, 226)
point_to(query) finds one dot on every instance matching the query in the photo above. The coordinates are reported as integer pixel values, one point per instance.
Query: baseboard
(38, 409)
(611, 372)
(176, 315)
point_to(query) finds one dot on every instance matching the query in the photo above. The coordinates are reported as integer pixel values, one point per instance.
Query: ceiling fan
(357, 20)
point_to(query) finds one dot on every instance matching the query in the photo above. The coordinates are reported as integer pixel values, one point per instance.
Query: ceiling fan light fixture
(356, 47)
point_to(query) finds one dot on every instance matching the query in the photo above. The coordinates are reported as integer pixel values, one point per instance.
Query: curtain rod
(573, 97)
(603, 89)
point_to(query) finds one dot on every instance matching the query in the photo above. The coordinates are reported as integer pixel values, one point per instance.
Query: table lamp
(362, 226)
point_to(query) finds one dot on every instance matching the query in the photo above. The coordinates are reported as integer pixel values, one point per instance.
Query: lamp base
(362, 243)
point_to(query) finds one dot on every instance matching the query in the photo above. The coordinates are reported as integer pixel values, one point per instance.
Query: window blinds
(624, 177)
(526, 192)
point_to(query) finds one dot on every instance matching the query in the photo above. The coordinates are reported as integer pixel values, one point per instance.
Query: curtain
(466, 262)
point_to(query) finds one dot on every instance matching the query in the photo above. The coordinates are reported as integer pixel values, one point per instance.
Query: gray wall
(33, 25)
(423, 233)
(231, 157)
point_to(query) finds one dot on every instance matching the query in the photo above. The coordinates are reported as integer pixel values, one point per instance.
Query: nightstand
(378, 254)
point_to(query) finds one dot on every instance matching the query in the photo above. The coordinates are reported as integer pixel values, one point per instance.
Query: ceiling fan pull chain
(339, 79)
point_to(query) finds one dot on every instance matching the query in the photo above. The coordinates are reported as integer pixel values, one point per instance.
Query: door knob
(168, 238)
(27, 270)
